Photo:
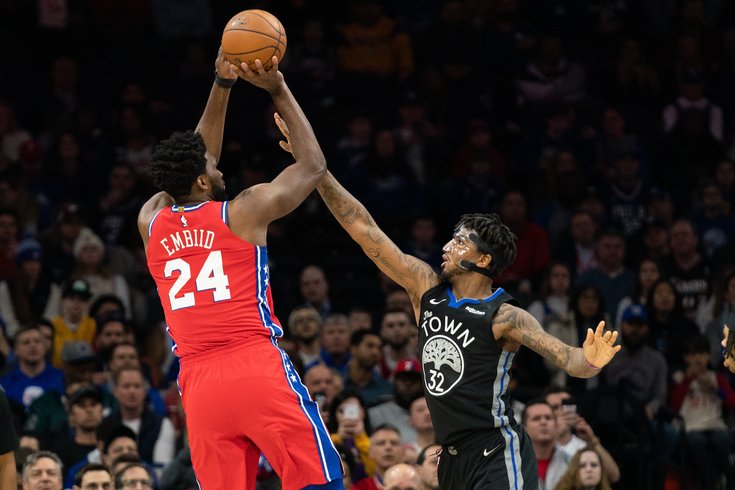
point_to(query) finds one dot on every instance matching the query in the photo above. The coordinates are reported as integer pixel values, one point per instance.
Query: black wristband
(223, 82)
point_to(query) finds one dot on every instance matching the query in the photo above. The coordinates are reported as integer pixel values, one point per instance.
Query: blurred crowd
(601, 131)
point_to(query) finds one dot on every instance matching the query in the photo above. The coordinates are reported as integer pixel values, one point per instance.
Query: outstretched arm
(414, 275)
(212, 123)
(519, 326)
(267, 202)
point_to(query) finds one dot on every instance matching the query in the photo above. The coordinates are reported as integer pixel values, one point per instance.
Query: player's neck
(471, 285)
(193, 199)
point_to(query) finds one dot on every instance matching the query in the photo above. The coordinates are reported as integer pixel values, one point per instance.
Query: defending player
(468, 336)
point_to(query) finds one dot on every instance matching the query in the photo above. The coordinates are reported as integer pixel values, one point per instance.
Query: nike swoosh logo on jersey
(487, 453)
(436, 302)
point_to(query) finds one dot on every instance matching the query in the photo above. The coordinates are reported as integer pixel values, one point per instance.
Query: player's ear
(202, 181)
(484, 260)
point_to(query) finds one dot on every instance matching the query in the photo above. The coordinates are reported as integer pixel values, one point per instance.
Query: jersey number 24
(211, 276)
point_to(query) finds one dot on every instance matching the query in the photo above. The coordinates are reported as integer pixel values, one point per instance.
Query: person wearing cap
(73, 323)
(58, 246)
(32, 375)
(85, 415)
(30, 295)
(638, 367)
(114, 440)
(469, 333)
(406, 388)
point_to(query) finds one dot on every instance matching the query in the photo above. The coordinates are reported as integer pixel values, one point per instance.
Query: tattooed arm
(519, 326)
(414, 275)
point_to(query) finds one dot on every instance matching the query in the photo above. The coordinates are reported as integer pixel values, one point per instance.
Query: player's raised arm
(267, 202)
(414, 275)
(521, 327)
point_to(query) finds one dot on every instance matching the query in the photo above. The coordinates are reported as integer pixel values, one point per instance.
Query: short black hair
(359, 335)
(177, 162)
(497, 235)
(86, 469)
(534, 401)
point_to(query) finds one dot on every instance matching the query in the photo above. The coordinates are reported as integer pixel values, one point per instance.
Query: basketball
(253, 34)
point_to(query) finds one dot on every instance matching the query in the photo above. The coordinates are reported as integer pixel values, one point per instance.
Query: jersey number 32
(211, 276)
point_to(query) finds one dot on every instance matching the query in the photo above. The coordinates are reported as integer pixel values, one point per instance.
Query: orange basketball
(253, 34)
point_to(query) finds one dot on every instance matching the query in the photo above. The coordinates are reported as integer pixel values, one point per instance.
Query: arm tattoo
(534, 337)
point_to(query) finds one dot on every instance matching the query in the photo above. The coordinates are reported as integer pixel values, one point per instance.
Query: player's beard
(219, 193)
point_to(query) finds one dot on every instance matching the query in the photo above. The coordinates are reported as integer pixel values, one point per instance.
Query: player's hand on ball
(270, 80)
(599, 347)
(285, 145)
(224, 68)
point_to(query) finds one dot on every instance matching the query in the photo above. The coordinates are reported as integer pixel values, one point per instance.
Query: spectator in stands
(611, 276)
(30, 295)
(639, 371)
(669, 326)
(134, 476)
(699, 395)
(365, 348)
(85, 415)
(349, 426)
(42, 471)
(420, 420)
(406, 388)
(625, 193)
(114, 441)
(587, 309)
(575, 433)
(359, 318)
(586, 471)
(12, 133)
(553, 302)
(712, 218)
(402, 476)
(395, 332)
(540, 423)
(155, 434)
(58, 242)
(32, 375)
(533, 248)
(654, 243)
(93, 476)
(719, 310)
(73, 323)
(428, 462)
(649, 272)
(423, 242)
(386, 450)
(323, 379)
(687, 269)
(305, 325)
(336, 342)
(315, 290)
(578, 248)
(89, 254)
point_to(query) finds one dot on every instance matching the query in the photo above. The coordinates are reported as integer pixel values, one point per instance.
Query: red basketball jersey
(214, 286)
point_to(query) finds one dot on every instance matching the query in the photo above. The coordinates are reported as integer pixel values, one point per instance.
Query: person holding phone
(349, 426)
(573, 431)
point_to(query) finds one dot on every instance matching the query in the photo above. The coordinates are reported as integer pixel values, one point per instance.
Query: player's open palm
(599, 346)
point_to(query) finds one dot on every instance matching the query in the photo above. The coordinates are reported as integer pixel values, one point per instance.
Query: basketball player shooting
(468, 336)
(209, 259)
